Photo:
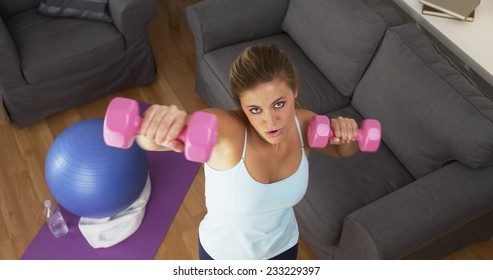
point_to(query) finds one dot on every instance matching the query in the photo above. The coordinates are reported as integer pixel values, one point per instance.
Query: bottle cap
(47, 203)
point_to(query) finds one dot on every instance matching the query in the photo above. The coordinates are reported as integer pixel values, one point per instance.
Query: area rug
(171, 176)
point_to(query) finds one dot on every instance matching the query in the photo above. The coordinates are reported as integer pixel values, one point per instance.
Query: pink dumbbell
(369, 134)
(122, 123)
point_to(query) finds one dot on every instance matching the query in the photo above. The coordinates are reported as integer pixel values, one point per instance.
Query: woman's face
(270, 109)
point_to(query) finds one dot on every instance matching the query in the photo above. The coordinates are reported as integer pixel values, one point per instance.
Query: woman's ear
(295, 93)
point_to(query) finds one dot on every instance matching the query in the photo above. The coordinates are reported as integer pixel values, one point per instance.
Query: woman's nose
(270, 118)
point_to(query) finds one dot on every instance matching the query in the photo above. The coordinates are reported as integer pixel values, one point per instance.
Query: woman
(258, 169)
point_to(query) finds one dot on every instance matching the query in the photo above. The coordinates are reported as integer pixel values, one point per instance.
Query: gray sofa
(52, 63)
(428, 190)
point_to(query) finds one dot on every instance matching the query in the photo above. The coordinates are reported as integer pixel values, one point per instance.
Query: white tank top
(249, 220)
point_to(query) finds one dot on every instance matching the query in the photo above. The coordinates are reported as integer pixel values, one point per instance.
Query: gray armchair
(49, 64)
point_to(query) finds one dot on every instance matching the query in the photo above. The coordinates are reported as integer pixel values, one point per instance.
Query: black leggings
(289, 254)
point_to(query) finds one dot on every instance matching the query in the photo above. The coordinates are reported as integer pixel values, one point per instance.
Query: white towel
(106, 232)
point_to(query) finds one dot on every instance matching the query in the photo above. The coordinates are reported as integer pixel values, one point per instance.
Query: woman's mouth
(274, 133)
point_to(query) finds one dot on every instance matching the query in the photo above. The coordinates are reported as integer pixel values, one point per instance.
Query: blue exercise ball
(91, 179)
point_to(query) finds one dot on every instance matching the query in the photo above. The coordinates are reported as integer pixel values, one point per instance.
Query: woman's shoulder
(229, 119)
(304, 116)
(231, 134)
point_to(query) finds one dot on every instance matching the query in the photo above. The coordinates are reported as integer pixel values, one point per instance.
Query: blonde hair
(261, 64)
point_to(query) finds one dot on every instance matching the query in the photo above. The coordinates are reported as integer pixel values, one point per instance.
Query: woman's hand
(162, 125)
(345, 136)
(345, 130)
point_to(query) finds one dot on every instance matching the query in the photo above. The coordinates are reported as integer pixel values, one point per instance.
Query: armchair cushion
(9, 8)
(87, 9)
(35, 36)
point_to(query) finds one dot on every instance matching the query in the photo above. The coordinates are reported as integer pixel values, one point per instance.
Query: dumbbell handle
(138, 122)
(319, 133)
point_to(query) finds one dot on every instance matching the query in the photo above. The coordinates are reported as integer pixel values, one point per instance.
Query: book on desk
(460, 9)
(427, 10)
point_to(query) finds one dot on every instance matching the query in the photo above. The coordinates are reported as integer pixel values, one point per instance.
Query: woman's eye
(255, 110)
(279, 104)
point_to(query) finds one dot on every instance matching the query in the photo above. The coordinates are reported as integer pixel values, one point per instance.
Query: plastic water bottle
(54, 218)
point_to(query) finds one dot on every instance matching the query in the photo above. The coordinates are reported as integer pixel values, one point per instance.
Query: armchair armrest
(12, 83)
(420, 213)
(10, 68)
(132, 17)
(219, 23)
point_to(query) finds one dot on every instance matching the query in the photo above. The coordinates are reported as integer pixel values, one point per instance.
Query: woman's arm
(230, 139)
(162, 124)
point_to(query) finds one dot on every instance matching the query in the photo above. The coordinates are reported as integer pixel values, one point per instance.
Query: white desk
(472, 42)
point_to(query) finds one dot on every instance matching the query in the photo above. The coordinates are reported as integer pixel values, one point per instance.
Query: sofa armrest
(132, 17)
(418, 214)
(219, 23)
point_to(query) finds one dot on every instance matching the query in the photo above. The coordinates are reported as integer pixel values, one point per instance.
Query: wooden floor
(22, 152)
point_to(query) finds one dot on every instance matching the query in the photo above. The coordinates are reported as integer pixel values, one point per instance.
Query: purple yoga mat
(171, 175)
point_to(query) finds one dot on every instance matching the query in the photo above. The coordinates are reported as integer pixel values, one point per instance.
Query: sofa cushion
(87, 9)
(220, 23)
(430, 112)
(340, 37)
(316, 92)
(340, 186)
(49, 47)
